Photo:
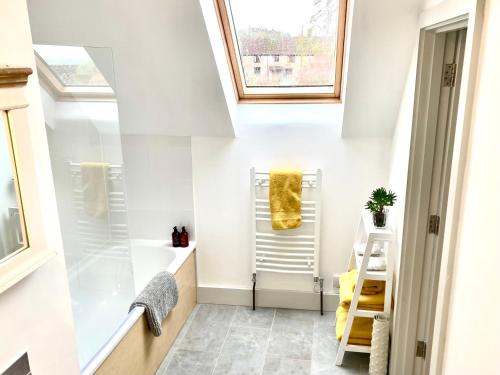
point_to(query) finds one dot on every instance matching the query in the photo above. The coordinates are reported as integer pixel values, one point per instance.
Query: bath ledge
(96, 361)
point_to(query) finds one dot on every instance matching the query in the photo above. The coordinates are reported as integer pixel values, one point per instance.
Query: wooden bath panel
(139, 352)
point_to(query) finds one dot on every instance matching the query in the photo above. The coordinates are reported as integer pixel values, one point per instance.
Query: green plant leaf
(379, 199)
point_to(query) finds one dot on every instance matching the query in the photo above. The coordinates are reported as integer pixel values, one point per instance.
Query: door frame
(438, 19)
(449, 49)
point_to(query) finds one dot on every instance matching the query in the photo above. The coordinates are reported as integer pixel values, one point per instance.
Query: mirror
(12, 228)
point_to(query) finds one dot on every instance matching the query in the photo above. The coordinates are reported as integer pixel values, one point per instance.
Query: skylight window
(283, 49)
(72, 66)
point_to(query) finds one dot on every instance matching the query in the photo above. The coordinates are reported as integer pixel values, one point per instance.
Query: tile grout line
(269, 339)
(173, 347)
(225, 339)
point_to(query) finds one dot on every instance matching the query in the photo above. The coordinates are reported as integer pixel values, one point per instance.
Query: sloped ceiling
(382, 40)
(166, 78)
(167, 81)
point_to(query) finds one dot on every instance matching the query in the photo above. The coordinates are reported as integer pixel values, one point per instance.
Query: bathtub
(132, 349)
(151, 256)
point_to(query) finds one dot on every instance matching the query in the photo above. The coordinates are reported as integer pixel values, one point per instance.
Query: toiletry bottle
(176, 238)
(184, 238)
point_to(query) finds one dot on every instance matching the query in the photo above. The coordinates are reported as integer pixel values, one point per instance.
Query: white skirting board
(287, 299)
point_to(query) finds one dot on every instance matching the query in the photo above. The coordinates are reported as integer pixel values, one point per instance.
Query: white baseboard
(267, 298)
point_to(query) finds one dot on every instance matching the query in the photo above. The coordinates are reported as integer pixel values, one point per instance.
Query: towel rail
(286, 242)
(284, 236)
(305, 262)
(107, 236)
(295, 251)
(282, 271)
(288, 248)
(269, 214)
(285, 253)
(308, 202)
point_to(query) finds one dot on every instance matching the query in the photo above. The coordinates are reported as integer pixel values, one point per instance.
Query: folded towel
(158, 298)
(285, 191)
(361, 331)
(95, 188)
(369, 298)
(377, 264)
(377, 250)
(370, 287)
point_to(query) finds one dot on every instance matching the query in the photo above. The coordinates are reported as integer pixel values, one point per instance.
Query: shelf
(367, 313)
(371, 229)
(368, 235)
(358, 348)
(371, 275)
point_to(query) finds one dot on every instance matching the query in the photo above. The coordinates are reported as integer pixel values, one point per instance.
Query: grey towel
(158, 298)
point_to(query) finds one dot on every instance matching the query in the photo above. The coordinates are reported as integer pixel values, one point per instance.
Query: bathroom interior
(148, 143)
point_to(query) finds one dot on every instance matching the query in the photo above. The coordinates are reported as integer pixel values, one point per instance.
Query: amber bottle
(176, 238)
(184, 237)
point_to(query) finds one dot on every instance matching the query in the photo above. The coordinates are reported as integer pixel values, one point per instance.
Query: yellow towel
(95, 188)
(371, 298)
(361, 331)
(285, 191)
(371, 287)
(366, 301)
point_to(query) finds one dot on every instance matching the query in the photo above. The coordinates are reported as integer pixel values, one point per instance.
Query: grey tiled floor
(234, 340)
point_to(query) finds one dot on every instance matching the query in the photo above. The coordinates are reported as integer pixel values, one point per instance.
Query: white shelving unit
(368, 268)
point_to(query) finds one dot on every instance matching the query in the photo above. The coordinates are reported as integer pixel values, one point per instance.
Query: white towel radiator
(112, 233)
(294, 251)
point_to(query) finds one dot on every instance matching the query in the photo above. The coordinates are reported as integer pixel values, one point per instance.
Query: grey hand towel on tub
(158, 298)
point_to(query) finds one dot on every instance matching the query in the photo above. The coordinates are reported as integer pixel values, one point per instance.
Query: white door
(440, 176)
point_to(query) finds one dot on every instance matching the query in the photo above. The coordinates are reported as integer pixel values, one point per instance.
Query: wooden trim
(226, 28)
(290, 100)
(139, 352)
(221, 13)
(13, 77)
(340, 48)
(7, 122)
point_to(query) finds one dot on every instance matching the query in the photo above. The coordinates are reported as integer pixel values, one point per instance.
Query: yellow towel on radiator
(368, 301)
(95, 188)
(285, 192)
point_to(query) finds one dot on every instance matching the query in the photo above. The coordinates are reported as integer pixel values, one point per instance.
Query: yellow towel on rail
(95, 188)
(361, 331)
(285, 192)
(366, 301)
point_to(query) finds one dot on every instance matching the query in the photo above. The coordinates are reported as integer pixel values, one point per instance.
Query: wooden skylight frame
(301, 95)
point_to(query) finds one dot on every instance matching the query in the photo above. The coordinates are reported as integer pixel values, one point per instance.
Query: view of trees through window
(286, 43)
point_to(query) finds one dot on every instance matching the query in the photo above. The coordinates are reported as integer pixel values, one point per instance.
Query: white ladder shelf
(366, 237)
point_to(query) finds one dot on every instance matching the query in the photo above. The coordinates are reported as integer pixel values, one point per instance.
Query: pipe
(254, 279)
(321, 295)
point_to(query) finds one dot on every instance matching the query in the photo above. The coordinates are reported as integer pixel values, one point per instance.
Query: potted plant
(380, 199)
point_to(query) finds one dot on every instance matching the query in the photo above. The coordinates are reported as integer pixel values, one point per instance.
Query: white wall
(159, 185)
(157, 168)
(166, 78)
(400, 155)
(472, 346)
(35, 314)
(433, 11)
(78, 132)
(381, 44)
(221, 170)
